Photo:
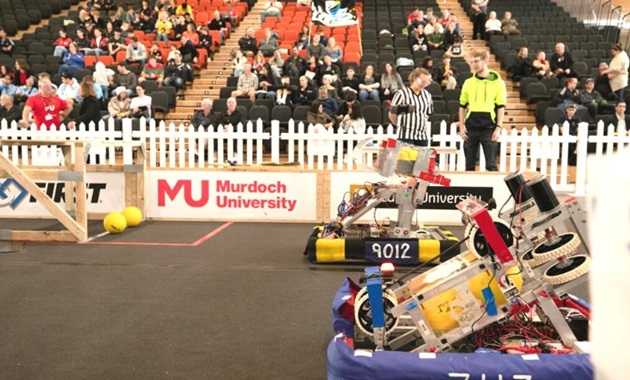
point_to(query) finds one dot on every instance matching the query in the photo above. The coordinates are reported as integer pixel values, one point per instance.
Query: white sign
(105, 193)
(231, 195)
(439, 202)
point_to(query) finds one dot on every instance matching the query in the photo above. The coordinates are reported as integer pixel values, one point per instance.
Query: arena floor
(168, 300)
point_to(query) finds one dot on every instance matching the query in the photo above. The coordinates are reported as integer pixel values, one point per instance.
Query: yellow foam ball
(115, 222)
(133, 215)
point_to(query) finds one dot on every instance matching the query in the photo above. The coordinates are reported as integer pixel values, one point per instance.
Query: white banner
(105, 193)
(439, 203)
(231, 195)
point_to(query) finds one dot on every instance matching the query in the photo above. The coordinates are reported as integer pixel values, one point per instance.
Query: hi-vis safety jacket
(483, 97)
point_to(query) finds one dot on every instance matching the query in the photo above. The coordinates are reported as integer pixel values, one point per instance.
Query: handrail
(601, 8)
(623, 18)
(610, 18)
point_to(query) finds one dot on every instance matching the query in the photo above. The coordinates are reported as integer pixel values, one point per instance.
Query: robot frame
(517, 270)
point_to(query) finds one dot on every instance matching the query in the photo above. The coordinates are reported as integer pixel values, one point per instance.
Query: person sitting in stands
(522, 67)
(175, 73)
(317, 115)
(269, 44)
(541, 67)
(562, 63)
(569, 94)
(238, 62)
(247, 84)
(509, 26)
(349, 83)
(72, 60)
(391, 82)
(304, 94)
(445, 74)
(23, 92)
(69, 88)
(334, 50)
(231, 116)
(435, 40)
(125, 79)
(6, 44)
(457, 49)
(369, 85)
(573, 121)
(119, 105)
(163, 27)
(116, 43)
(350, 115)
(328, 67)
(184, 8)
(188, 50)
(450, 34)
(493, 25)
(602, 84)
(153, 71)
(593, 100)
(141, 104)
(248, 44)
(295, 65)
(621, 119)
(191, 34)
(98, 44)
(217, 23)
(315, 49)
(329, 103)
(8, 110)
(136, 52)
(417, 39)
(61, 44)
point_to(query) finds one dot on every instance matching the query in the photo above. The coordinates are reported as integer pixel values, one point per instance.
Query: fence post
(275, 141)
(127, 137)
(581, 151)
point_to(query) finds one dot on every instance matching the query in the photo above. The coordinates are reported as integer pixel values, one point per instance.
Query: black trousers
(479, 26)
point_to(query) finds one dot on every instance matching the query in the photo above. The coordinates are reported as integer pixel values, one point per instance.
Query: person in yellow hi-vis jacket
(481, 110)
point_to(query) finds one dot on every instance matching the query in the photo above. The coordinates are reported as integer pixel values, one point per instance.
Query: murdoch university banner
(334, 12)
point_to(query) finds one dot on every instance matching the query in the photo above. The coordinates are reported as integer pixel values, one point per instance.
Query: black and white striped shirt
(413, 125)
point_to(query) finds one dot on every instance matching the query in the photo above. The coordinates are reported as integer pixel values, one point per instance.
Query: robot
(523, 263)
(409, 170)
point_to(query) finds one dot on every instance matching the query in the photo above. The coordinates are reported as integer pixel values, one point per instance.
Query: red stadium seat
(108, 60)
(89, 60)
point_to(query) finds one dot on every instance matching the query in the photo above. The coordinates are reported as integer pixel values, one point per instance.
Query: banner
(334, 12)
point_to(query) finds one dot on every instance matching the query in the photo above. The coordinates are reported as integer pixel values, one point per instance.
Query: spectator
(72, 60)
(155, 51)
(428, 65)
(90, 110)
(183, 9)
(417, 39)
(124, 80)
(163, 27)
(259, 62)
(295, 65)
(6, 44)
(141, 105)
(136, 53)
(450, 35)
(248, 43)
(493, 25)
(328, 67)
(621, 120)
(206, 42)
(304, 94)
(312, 69)
(191, 34)
(188, 50)
(205, 117)
(46, 107)
(303, 37)
(81, 41)
(277, 62)
(323, 40)
(231, 116)
(247, 84)
(541, 67)
(98, 45)
(217, 23)
(415, 18)
(116, 43)
(21, 72)
(445, 74)
(334, 50)
(572, 120)
(413, 125)
(238, 62)
(435, 40)
(329, 103)
(522, 67)
(509, 26)
(332, 89)
(97, 20)
(315, 49)
(272, 9)
(562, 63)
(283, 92)
(153, 71)
(269, 43)
(317, 116)
(267, 84)
(119, 106)
(481, 118)
(618, 71)
(8, 110)
(349, 84)
(569, 94)
(109, 30)
(61, 43)
(25, 91)
(602, 83)
(593, 100)
(457, 49)
(445, 19)
(7, 86)
(391, 82)
(350, 114)
(179, 27)
(479, 18)
(102, 78)
(69, 88)
(175, 73)
(369, 85)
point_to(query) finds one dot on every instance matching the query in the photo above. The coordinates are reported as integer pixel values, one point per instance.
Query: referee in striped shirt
(412, 126)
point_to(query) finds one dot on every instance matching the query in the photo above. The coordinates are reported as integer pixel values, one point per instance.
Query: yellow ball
(133, 215)
(115, 222)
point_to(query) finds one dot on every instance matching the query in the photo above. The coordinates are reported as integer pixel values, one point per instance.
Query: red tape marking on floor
(193, 244)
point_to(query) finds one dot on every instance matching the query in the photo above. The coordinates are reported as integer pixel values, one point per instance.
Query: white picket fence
(309, 147)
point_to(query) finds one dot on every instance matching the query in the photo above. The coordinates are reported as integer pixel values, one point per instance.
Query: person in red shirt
(47, 108)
